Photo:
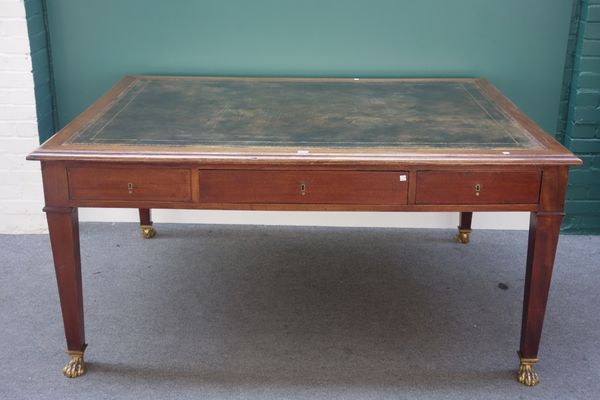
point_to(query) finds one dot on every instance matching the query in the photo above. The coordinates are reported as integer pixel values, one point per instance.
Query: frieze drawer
(473, 187)
(305, 187)
(128, 184)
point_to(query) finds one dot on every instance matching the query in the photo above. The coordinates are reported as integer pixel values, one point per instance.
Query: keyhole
(130, 188)
(477, 189)
(302, 189)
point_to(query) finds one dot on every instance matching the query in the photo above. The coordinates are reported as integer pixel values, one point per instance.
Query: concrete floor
(250, 312)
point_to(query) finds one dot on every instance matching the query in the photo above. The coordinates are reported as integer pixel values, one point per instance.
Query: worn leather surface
(337, 114)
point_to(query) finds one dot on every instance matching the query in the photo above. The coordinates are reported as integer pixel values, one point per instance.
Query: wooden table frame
(430, 180)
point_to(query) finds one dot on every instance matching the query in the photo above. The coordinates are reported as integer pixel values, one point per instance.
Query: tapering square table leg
(544, 230)
(543, 239)
(63, 227)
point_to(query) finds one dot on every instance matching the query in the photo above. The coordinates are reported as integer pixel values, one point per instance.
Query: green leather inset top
(338, 114)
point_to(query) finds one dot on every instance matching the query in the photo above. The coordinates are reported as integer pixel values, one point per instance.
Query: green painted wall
(42, 72)
(582, 123)
(519, 45)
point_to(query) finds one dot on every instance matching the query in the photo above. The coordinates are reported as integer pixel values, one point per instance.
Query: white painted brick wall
(20, 180)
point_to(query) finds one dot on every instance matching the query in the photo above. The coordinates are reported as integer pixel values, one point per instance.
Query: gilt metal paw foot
(526, 375)
(463, 236)
(75, 367)
(148, 231)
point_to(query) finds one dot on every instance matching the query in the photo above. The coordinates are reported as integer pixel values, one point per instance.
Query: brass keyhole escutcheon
(130, 188)
(477, 189)
(303, 189)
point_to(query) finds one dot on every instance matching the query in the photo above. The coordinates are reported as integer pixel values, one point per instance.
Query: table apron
(126, 185)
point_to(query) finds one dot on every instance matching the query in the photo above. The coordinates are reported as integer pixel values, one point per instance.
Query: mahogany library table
(305, 144)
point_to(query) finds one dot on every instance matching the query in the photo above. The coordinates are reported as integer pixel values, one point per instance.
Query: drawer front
(126, 184)
(497, 187)
(303, 187)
